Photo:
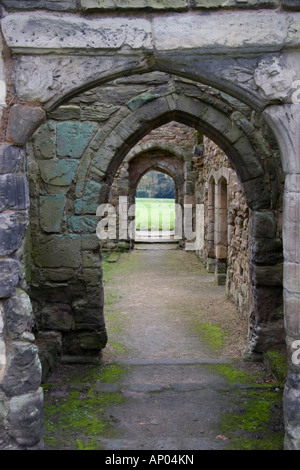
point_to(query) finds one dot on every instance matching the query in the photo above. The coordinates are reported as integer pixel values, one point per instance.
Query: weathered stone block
(23, 369)
(291, 280)
(57, 275)
(292, 318)
(98, 111)
(207, 4)
(25, 419)
(57, 251)
(266, 251)
(269, 276)
(90, 242)
(268, 303)
(52, 212)
(13, 227)
(58, 317)
(14, 192)
(91, 260)
(64, 5)
(73, 137)
(87, 317)
(83, 224)
(18, 312)
(75, 33)
(11, 158)
(44, 141)
(92, 277)
(256, 194)
(23, 121)
(58, 172)
(263, 225)
(216, 32)
(136, 4)
(92, 341)
(9, 275)
(65, 113)
(141, 99)
(291, 5)
(90, 199)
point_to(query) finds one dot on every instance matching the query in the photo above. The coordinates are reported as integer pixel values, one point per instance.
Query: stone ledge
(175, 5)
(59, 5)
(145, 5)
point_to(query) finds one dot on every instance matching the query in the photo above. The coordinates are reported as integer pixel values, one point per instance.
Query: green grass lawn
(155, 214)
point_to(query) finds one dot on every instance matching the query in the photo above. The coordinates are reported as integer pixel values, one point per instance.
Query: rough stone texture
(52, 211)
(18, 313)
(11, 158)
(23, 369)
(13, 192)
(291, 5)
(9, 275)
(2, 80)
(64, 5)
(58, 172)
(44, 141)
(13, 227)
(58, 251)
(23, 121)
(53, 32)
(25, 418)
(72, 138)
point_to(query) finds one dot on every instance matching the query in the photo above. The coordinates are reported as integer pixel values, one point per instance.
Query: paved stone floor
(171, 377)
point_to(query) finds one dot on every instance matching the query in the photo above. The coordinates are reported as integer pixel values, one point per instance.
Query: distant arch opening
(155, 201)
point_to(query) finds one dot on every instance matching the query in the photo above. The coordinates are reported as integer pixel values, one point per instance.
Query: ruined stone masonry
(85, 86)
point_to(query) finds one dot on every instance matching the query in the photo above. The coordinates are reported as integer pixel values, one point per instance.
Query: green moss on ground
(213, 335)
(258, 423)
(77, 419)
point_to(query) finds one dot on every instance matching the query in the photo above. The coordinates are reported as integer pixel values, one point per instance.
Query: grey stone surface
(11, 158)
(291, 5)
(9, 275)
(18, 313)
(23, 369)
(25, 419)
(13, 226)
(13, 192)
(23, 121)
(52, 32)
(60, 5)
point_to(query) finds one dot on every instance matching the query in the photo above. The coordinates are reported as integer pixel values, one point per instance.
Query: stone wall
(215, 164)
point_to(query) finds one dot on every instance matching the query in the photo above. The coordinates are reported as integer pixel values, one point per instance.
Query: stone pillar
(285, 121)
(221, 239)
(21, 398)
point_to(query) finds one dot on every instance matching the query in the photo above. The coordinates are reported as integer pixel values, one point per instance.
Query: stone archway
(262, 44)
